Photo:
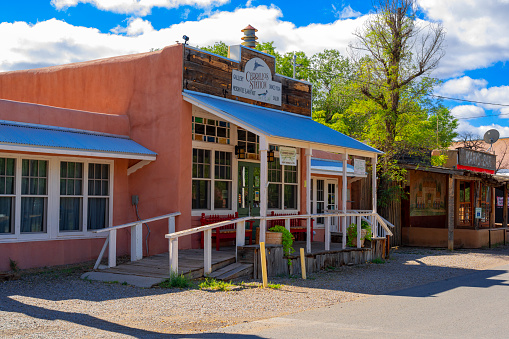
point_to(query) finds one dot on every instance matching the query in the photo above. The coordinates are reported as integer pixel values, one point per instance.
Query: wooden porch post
(492, 207)
(504, 212)
(309, 151)
(264, 146)
(343, 198)
(450, 214)
(373, 180)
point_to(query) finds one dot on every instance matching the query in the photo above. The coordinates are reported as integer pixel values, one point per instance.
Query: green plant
(213, 284)
(13, 265)
(352, 233)
(274, 286)
(287, 238)
(178, 281)
(378, 261)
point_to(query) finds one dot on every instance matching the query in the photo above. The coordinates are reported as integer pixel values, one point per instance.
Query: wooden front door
(466, 203)
(249, 190)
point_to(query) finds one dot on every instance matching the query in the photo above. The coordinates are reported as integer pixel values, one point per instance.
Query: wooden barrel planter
(274, 238)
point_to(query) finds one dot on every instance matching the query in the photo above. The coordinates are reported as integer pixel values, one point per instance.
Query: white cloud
(465, 126)
(135, 27)
(467, 111)
(462, 86)
(476, 33)
(55, 42)
(347, 12)
(136, 7)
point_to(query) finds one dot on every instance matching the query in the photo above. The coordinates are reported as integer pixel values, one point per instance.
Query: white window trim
(283, 209)
(53, 195)
(327, 181)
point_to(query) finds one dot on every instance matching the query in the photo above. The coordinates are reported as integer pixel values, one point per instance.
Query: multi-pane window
(71, 196)
(212, 180)
(34, 195)
(484, 203)
(201, 179)
(223, 180)
(211, 130)
(7, 195)
(465, 203)
(283, 186)
(98, 196)
(250, 142)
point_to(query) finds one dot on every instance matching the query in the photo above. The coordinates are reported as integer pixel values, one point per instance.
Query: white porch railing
(136, 238)
(241, 232)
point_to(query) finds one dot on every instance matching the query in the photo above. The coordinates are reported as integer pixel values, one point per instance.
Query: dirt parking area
(58, 304)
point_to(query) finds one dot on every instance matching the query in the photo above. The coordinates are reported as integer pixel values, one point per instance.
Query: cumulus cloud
(347, 12)
(54, 42)
(465, 126)
(476, 33)
(467, 111)
(462, 86)
(136, 7)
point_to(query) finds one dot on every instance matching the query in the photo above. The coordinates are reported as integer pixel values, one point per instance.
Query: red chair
(227, 231)
(295, 223)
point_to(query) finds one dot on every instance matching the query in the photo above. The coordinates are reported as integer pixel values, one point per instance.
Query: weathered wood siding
(212, 74)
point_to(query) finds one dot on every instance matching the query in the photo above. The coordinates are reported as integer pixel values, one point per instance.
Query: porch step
(233, 271)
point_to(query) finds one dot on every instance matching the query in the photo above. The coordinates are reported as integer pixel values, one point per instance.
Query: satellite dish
(491, 137)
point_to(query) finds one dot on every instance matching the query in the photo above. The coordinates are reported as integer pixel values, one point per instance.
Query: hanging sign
(256, 83)
(478, 212)
(359, 166)
(287, 156)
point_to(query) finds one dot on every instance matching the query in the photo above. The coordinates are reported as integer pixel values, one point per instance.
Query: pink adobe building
(78, 141)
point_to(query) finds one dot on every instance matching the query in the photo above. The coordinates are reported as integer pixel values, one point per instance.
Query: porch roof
(16, 136)
(331, 167)
(277, 124)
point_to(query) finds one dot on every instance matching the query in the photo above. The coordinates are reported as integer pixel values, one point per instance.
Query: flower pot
(275, 238)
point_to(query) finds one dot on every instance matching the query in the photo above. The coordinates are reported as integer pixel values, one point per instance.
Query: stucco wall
(463, 238)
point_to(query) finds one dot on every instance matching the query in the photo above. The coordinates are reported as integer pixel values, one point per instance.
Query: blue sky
(51, 32)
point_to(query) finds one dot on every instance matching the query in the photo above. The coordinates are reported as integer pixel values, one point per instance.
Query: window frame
(53, 199)
(283, 183)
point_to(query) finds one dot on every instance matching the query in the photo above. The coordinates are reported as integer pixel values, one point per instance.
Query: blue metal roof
(58, 138)
(277, 123)
(330, 166)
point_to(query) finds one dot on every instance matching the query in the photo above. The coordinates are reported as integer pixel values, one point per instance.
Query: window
(212, 180)
(465, 203)
(484, 203)
(201, 171)
(71, 196)
(211, 130)
(34, 196)
(98, 196)
(283, 186)
(250, 142)
(7, 179)
(223, 182)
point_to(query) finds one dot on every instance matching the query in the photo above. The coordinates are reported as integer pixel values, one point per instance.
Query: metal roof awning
(16, 136)
(331, 167)
(278, 126)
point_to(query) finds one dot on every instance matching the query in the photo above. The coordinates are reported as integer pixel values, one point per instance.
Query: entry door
(249, 189)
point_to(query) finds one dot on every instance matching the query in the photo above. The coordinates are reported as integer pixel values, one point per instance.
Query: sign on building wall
(428, 194)
(359, 166)
(256, 83)
(476, 161)
(287, 156)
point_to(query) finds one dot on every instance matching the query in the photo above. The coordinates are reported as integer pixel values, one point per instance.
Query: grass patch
(274, 286)
(176, 281)
(213, 284)
(378, 261)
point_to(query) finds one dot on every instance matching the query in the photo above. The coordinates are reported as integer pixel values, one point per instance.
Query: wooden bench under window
(295, 223)
(227, 231)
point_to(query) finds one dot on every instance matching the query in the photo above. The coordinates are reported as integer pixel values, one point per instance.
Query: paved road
(470, 306)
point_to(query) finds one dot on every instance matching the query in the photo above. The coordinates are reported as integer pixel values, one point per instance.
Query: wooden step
(233, 271)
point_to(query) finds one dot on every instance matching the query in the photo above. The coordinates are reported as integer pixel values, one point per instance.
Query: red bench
(295, 224)
(227, 231)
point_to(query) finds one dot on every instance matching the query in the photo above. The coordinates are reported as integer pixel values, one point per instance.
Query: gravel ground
(58, 304)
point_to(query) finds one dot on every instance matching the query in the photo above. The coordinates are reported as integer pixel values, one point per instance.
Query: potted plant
(286, 238)
(351, 232)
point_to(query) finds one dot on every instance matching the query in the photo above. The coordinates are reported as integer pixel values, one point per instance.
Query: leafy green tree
(219, 48)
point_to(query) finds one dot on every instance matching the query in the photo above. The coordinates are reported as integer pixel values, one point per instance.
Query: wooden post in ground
(492, 207)
(303, 263)
(450, 214)
(504, 212)
(264, 264)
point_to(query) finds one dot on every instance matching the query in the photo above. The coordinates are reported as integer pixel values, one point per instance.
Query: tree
(392, 54)
(219, 48)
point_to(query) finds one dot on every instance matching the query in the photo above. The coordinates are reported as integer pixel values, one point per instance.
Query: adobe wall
(143, 90)
(463, 238)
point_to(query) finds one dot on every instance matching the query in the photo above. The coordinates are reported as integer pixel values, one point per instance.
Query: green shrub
(213, 284)
(352, 233)
(287, 238)
(176, 281)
